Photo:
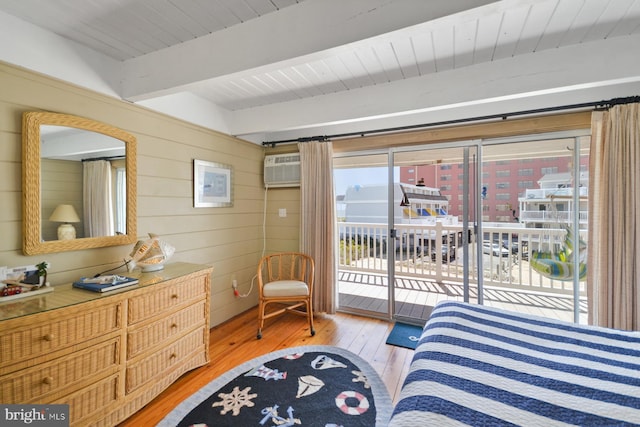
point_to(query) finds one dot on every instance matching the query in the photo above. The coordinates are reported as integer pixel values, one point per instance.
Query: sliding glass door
(498, 222)
(362, 189)
(534, 195)
(404, 232)
(434, 221)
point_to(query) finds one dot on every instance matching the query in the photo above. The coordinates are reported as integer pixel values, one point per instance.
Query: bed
(482, 366)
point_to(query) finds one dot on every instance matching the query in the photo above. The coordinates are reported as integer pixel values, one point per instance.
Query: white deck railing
(364, 248)
(549, 193)
(552, 217)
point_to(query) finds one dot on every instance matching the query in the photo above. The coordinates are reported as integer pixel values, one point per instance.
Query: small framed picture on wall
(212, 186)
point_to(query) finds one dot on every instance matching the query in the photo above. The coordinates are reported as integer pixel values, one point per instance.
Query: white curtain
(120, 219)
(98, 207)
(318, 220)
(614, 218)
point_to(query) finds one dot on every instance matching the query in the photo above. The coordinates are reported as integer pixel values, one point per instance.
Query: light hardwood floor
(234, 342)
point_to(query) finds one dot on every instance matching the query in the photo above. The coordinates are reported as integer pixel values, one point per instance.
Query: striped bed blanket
(482, 366)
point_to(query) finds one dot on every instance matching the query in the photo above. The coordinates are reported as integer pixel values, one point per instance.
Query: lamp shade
(64, 213)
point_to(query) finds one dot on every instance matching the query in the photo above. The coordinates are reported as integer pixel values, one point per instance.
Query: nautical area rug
(404, 335)
(299, 386)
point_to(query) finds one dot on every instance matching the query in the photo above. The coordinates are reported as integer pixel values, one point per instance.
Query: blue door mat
(404, 335)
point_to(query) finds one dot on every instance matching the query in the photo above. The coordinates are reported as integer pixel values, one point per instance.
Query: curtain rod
(95, 159)
(597, 105)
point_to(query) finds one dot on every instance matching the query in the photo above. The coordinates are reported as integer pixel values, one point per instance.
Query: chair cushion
(285, 288)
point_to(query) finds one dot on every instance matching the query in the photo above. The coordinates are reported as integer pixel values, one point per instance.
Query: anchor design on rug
(313, 392)
(272, 413)
(360, 378)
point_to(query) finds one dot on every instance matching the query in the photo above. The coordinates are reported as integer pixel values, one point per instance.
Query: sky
(343, 178)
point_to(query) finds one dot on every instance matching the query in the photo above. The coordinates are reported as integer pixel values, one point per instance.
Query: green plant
(42, 271)
(351, 251)
(42, 268)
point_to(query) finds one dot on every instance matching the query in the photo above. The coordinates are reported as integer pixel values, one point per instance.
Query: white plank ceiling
(125, 29)
(250, 57)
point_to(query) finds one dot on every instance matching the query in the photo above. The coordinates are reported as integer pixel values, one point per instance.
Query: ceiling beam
(564, 74)
(34, 48)
(276, 39)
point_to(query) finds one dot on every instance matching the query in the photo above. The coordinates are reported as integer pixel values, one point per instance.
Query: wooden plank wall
(61, 182)
(229, 239)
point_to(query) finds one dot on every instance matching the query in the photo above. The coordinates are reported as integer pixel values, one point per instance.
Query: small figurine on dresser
(150, 255)
(24, 281)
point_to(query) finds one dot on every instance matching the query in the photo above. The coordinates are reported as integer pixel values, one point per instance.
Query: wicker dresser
(106, 355)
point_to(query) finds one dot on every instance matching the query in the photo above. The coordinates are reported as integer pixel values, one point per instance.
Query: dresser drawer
(164, 360)
(60, 374)
(153, 303)
(91, 401)
(147, 336)
(86, 350)
(58, 333)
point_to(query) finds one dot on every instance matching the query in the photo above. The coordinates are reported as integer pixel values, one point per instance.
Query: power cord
(125, 263)
(236, 293)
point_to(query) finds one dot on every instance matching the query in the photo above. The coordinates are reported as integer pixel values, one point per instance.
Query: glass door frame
(475, 205)
(576, 135)
(365, 153)
(466, 146)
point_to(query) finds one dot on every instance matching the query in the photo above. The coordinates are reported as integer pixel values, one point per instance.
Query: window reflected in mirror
(79, 183)
(86, 170)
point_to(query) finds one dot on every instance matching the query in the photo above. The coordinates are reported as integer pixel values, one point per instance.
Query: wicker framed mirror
(55, 151)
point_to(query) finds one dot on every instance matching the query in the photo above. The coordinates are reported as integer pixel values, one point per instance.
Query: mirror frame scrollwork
(31, 184)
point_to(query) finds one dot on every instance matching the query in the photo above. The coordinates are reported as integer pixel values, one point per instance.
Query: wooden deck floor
(415, 297)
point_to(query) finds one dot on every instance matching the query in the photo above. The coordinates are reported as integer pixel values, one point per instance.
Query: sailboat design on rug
(307, 385)
(325, 362)
(311, 386)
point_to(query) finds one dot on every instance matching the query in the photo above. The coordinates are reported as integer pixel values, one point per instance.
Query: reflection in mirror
(86, 170)
(79, 184)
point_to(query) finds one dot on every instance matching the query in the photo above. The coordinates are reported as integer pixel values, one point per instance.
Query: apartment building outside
(504, 185)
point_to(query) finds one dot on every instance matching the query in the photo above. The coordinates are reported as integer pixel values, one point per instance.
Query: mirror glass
(79, 182)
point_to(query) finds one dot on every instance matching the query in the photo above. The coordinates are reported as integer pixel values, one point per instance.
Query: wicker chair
(285, 278)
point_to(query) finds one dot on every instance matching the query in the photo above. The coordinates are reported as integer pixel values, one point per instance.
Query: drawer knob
(174, 325)
(174, 296)
(47, 380)
(48, 337)
(173, 356)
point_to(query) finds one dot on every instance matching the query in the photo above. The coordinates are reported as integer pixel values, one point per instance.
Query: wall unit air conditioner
(282, 170)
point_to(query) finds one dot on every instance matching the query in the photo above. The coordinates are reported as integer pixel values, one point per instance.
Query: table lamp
(65, 214)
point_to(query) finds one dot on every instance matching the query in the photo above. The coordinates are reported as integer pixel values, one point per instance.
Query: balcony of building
(429, 266)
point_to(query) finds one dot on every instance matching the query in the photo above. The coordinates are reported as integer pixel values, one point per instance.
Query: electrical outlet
(234, 285)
